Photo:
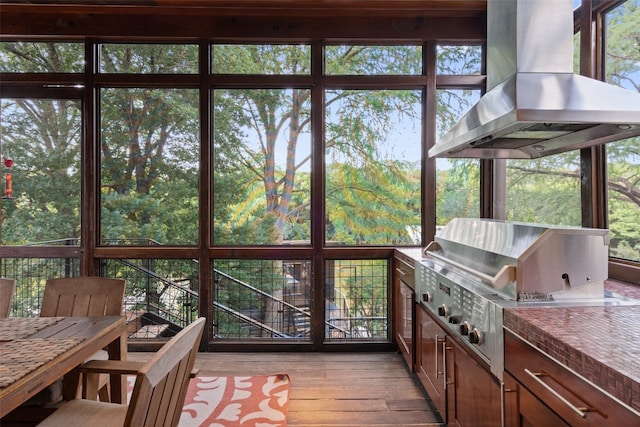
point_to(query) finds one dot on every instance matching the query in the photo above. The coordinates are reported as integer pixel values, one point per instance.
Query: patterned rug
(255, 401)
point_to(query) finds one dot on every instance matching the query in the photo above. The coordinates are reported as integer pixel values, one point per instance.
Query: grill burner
(477, 267)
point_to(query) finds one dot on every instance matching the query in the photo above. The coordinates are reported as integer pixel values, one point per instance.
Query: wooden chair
(82, 296)
(7, 288)
(158, 394)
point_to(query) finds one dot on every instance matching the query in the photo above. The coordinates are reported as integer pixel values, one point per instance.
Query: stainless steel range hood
(535, 105)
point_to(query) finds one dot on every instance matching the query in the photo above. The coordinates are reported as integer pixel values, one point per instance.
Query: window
(372, 166)
(149, 166)
(622, 65)
(457, 180)
(41, 57)
(41, 140)
(262, 161)
(149, 58)
(373, 60)
(268, 59)
(459, 60)
(545, 190)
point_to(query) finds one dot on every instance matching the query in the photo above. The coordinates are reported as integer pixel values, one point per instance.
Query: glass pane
(161, 296)
(545, 190)
(149, 166)
(262, 299)
(41, 57)
(624, 204)
(357, 299)
(373, 60)
(459, 60)
(41, 140)
(372, 159)
(262, 160)
(149, 58)
(623, 69)
(262, 59)
(457, 180)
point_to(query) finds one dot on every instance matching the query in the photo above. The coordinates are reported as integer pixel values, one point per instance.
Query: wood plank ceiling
(456, 8)
(249, 19)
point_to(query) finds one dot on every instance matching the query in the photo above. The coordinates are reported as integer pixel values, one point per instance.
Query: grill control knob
(443, 311)
(475, 336)
(465, 328)
(454, 320)
(427, 297)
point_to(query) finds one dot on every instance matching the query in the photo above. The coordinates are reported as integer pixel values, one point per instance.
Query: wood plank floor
(334, 389)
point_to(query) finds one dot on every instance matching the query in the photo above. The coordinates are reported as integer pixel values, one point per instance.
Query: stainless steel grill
(476, 267)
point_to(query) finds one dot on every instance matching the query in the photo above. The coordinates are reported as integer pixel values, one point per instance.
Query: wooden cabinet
(430, 358)
(404, 309)
(463, 391)
(473, 394)
(541, 392)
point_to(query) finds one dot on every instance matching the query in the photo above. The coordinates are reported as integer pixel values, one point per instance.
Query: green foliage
(43, 139)
(150, 158)
(458, 191)
(372, 205)
(41, 57)
(545, 190)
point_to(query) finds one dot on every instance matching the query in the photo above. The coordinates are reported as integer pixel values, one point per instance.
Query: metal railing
(154, 298)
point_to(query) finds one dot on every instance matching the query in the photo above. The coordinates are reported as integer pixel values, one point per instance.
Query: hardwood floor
(334, 389)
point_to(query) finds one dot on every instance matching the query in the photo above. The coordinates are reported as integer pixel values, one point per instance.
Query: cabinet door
(404, 303)
(430, 342)
(473, 394)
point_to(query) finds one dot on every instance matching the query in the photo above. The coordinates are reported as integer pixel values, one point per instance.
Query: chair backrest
(161, 385)
(7, 287)
(83, 296)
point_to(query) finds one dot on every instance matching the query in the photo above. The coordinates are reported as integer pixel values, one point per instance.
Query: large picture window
(372, 167)
(41, 171)
(262, 160)
(149, 166)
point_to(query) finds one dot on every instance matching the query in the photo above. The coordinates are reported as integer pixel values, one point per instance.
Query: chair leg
(103, 394)
(90, 383)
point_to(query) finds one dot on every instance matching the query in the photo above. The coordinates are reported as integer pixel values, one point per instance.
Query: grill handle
(506, 274)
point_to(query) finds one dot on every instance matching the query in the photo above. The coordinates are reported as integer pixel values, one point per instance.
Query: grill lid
(526, 261)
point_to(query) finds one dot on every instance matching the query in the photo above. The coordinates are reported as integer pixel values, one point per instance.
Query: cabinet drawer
(404, 272)
(576, 401)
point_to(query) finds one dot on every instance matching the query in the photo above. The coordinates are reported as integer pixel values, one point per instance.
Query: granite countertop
(601, 343)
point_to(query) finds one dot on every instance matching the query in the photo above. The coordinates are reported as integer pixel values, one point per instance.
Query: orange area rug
(256, 401)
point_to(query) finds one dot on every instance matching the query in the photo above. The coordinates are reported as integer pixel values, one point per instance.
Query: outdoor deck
(334, 389)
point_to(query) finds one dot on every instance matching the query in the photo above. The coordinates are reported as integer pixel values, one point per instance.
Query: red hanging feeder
(8, 180)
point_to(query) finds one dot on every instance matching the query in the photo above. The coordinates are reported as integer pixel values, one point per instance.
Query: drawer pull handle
(399, 270)
(436, 341)
(582, 412)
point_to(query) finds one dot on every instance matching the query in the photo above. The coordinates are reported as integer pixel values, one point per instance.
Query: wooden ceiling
(427, 8)
(250, 19)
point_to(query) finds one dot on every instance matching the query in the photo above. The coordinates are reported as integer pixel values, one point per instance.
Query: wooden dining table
(37, 351)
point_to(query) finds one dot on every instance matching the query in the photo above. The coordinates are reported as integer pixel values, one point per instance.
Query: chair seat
(87, 413)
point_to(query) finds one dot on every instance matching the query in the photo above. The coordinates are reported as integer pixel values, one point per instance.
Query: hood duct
(535, 105)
